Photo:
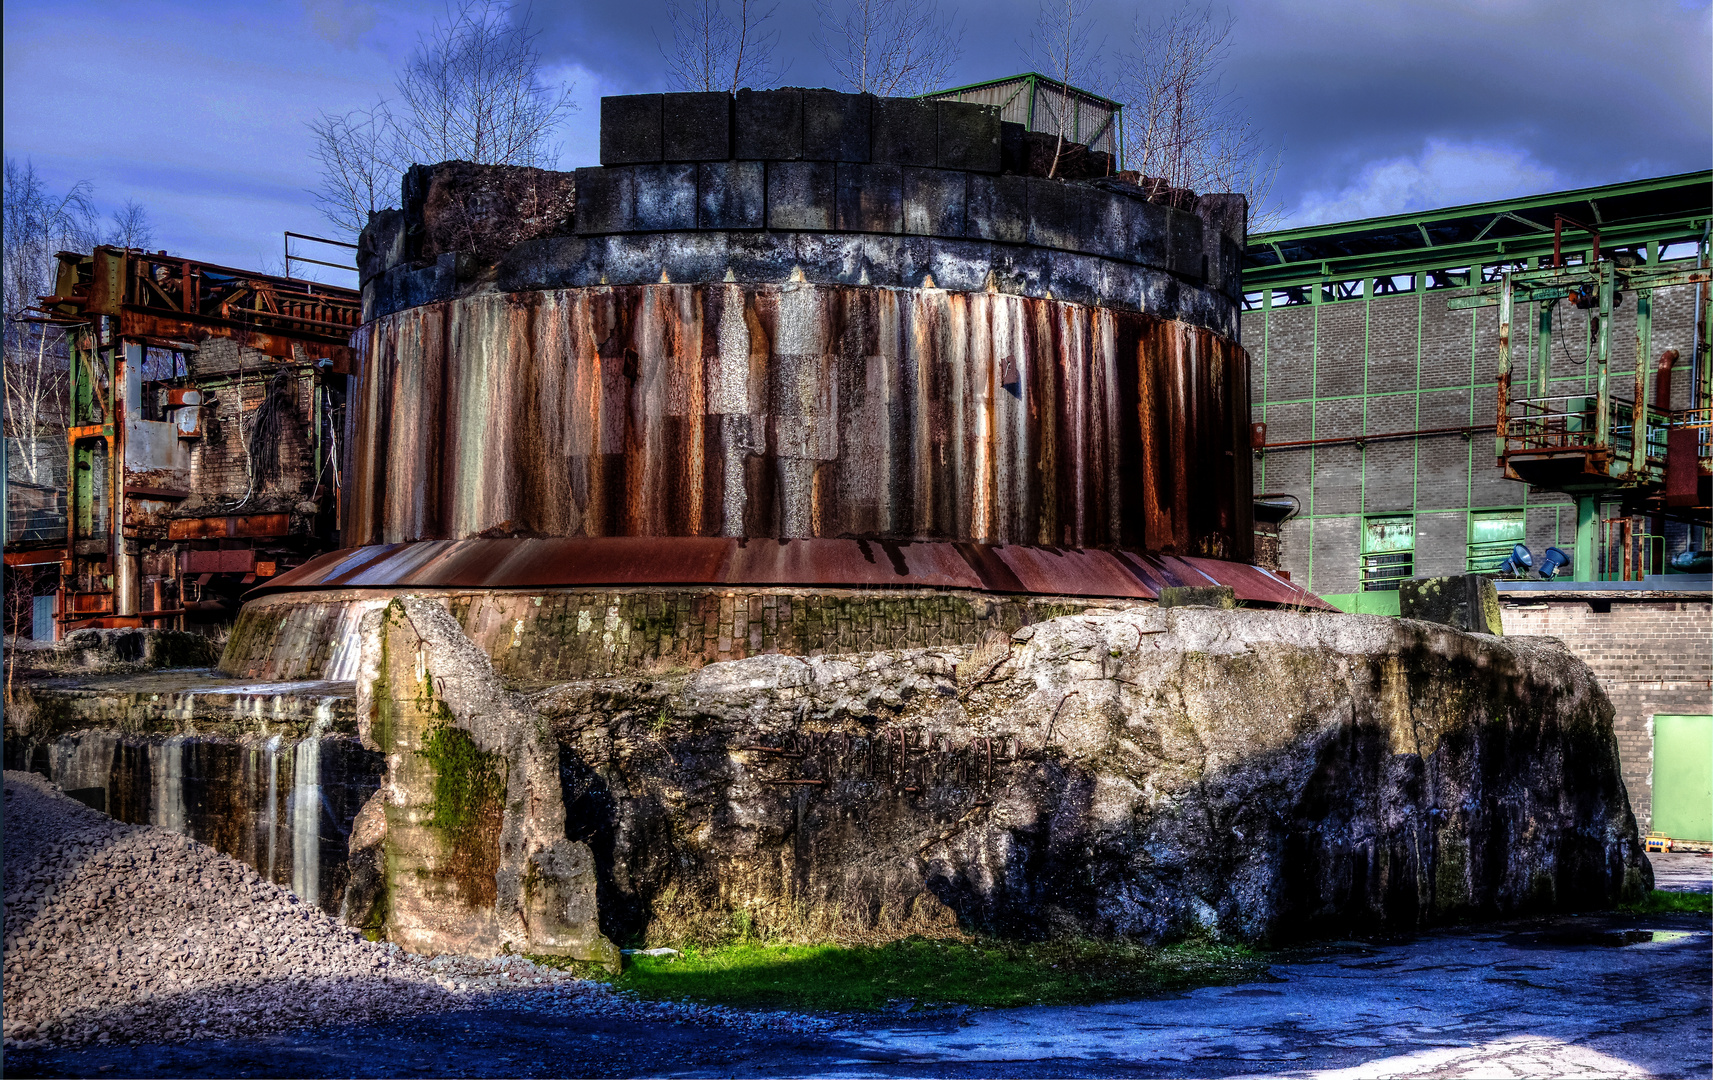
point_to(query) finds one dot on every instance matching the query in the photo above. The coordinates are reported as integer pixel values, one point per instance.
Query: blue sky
(198, 110)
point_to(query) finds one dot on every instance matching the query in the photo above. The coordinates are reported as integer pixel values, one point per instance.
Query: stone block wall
(576, 634)
(1649, 656)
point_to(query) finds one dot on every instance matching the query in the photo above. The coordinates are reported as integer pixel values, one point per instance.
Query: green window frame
(1388, 551)
(1492, 535)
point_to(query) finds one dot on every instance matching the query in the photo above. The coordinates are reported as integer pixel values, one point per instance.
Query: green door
(1683, 777)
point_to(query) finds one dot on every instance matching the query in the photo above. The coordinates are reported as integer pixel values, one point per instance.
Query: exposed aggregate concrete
(121, 933)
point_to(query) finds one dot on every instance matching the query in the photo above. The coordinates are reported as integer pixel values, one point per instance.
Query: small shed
(1038, 103)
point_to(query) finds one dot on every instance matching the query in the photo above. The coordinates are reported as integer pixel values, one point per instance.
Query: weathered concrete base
(1145, 773)
(476, 857)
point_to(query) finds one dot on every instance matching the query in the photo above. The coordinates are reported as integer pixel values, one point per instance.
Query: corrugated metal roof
(1038, 103)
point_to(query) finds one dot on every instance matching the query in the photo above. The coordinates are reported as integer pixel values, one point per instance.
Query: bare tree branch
(361, 156)
(1060, 49)
(889, 47)
(1182, 126)
(711, 52)
(131, 227)
(472, 91)
(37, 224)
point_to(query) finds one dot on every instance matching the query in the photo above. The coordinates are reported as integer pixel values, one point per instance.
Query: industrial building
(201, 426)
(1383, 439)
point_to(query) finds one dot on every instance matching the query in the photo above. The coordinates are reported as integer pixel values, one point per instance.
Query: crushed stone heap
(120, 933)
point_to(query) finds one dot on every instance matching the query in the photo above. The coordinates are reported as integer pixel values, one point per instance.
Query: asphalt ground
(1596, 996)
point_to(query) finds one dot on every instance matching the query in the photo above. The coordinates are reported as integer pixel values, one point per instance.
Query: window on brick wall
(1492, 535)
(1388, 551)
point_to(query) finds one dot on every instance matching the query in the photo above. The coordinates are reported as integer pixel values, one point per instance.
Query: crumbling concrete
(1466, 601)
(1150, 774)
(476, 856)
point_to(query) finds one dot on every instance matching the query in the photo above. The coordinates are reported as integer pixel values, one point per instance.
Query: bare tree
(472, 91)
(38, 223)
(131, 226)
(361, 155)
(891, 47)
(1182, 126)
(1061, 50)
(711, 51)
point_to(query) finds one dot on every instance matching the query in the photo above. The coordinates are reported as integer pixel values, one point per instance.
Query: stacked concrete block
(835, 188)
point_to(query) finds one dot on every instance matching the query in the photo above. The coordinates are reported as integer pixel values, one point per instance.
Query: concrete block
(554, 262)
(870, 198)
(1466, 601)
(800, 195)
(1113, 224)
(997, 208)
(606, 200)
(1227, 213)
(1013, 148)
(1076, 277)
(1022, 270)
(381, 245)
(1185, 254)
(934, 202)
(636, 260)
(832, 257)
(767, 125)
(906, 132)
(1213, 596)
(968, 137)
(696, 127)
(1149, 243)
(961, 267)
(665, 197)
(886, 258)
(1055, 214)
(630, 129)
(836, 127)
(731, 194)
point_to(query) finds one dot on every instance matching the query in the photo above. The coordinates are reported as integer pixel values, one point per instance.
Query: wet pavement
(1586, 996)
(1594, 996)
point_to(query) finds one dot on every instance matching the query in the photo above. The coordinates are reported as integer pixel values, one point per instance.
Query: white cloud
(1445, 173)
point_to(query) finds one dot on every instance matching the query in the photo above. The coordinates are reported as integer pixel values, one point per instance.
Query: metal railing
(1571, 422)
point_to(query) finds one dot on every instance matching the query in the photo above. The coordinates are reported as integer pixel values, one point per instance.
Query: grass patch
(1673, 903)
(865, 978)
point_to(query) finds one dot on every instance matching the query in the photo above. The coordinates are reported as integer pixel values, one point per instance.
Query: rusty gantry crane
(203, 405)
(1591, 442)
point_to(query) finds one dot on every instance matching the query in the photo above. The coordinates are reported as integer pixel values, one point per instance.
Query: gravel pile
(129, 933)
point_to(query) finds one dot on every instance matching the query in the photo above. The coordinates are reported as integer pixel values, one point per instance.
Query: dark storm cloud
(1418, 101)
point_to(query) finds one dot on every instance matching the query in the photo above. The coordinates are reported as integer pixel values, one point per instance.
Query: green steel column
(1543, 343)
(1504, 380)
(1602, 391)
(1587, 524)
(1644, 353)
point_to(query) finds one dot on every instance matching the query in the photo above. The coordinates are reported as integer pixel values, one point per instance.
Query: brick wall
(1405, 362)
(236, 379)
(1650, 656)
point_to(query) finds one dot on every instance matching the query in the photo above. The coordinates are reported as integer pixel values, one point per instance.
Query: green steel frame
(1438, 255)
(1664, 210)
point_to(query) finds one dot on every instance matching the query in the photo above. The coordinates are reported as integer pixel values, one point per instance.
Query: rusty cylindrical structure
(780, 347)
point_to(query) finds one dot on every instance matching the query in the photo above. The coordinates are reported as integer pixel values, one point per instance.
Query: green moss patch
(1659, 902)
(467, 808)
(928, 973)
